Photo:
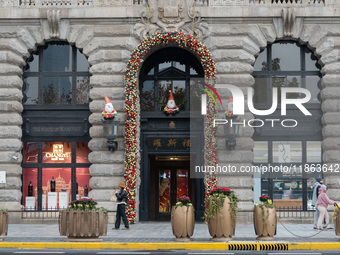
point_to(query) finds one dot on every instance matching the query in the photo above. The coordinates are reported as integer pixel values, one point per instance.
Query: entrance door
(170, 176)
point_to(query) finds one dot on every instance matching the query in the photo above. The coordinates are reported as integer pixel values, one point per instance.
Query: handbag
(113, 197)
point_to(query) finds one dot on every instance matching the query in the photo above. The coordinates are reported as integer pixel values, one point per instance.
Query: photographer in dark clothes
(122, 200)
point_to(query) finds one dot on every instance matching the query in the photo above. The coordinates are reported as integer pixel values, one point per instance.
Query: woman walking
(322, 204)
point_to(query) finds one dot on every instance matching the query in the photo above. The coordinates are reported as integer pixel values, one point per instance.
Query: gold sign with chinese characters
(169, 144)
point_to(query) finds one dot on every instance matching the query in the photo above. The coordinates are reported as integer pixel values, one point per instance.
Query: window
(53, 176)
(280, 152)
(165, 70)
(285, 64)
(56, 74)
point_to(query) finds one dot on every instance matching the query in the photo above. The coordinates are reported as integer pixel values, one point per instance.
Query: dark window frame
(40, 74)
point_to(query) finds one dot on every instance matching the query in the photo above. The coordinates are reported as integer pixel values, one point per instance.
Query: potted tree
(3, 222)
(183, 219)
(265, 220)
(220, 213)
(82, 219)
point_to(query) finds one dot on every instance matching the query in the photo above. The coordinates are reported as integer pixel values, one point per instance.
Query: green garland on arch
(132, 108)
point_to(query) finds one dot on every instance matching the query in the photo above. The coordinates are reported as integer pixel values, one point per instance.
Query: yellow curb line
(160, 246)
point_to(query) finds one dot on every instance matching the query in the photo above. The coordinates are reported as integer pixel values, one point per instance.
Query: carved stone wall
(109, 37)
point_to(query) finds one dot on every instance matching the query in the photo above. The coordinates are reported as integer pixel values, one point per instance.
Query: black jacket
(122, 196)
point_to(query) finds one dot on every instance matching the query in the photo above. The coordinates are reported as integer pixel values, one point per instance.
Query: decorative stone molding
(288, 19)
(226, 2)
(4, 3)
(113, 2)
(53, 17)
(170, 16)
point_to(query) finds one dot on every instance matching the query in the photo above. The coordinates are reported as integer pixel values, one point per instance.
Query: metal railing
(294, 2)
(294, 212)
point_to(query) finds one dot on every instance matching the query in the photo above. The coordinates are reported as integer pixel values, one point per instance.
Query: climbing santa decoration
(171, 107)
(109, 112)
(229, 111)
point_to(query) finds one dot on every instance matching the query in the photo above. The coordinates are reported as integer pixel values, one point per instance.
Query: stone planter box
(265, 229)
(83, 224)
(337, 222)
(3, 222)
(183, 222)
(222, 227)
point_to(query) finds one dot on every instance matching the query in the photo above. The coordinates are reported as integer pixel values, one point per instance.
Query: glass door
(172, 183)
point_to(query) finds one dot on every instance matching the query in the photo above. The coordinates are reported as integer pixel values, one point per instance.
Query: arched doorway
(132, 112)
(165, 139)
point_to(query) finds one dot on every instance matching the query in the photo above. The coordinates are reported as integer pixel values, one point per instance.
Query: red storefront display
(55, 174)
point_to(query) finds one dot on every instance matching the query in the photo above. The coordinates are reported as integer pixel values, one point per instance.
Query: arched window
(167, 69)
(56, 74)
(55, 127)
(282, 65)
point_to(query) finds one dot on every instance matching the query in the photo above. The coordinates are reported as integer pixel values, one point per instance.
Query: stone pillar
(234, 53)
(108, 52)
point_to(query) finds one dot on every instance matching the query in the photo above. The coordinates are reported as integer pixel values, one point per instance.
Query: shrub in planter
(82, 219)
(3, 222)
(183, 219)
(220, 213)
(265, 219)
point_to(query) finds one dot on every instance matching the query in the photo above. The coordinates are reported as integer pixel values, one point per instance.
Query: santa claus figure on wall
(109, 112)
(171, 107)
(230, 107)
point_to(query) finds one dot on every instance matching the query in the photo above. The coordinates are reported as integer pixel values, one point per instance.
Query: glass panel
(285, 57)
(82, 152)
(164, 190)
(313, 86)
(33, 64)
(179, 66)
(287, 192)
(57, 90)
(83, 90)
(57, 58)
(311, 180)
(83, 180)
(30, 152)
(179, 94)
(82, 63)
(165, 65)
(152, 71)
(260, 91)
(56, 152)
(29, 190)
(182, 176)
(261, 61)
(193, 71)
(261, 152)
(278, 82)
(314, 151)
(31, 91)
(311, 62)
(164, 87)
(56, 187)
(287, 152)
(293, 82)
(148, 96)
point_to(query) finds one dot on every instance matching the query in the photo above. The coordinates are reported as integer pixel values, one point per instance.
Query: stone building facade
(107, 33)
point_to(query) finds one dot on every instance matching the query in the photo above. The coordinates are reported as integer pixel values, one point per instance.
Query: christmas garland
(132, 109)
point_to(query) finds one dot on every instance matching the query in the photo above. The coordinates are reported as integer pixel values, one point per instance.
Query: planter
(265, 229)
(83, 224)
(183, 222)
(336, 219)
(222, 226)
(3, 222)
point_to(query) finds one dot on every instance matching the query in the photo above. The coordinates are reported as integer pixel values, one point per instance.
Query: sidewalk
(145, 234)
